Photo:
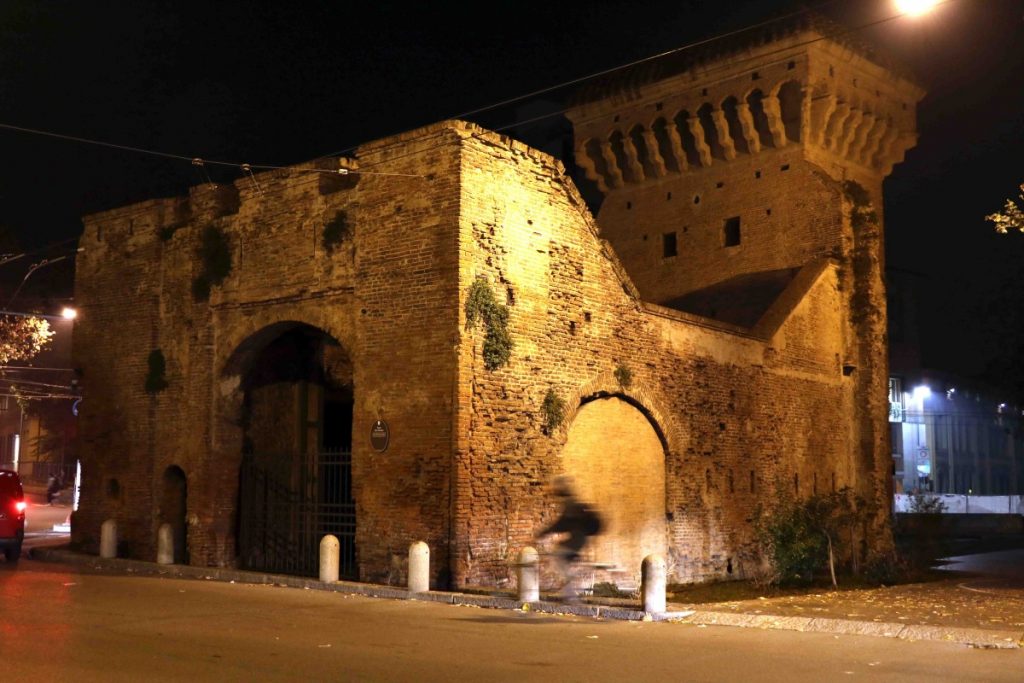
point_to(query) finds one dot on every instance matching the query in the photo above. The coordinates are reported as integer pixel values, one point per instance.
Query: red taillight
(20, 506)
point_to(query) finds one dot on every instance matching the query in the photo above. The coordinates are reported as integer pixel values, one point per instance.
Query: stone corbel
(633, 159)
(749, 130)
(904, 141)
(822, 109)
(614, 172)
(724, 137)
(867, 129)
(874, 140)
(697, 131)
(835, 126)
(585, 161)
(677, 145)
(773, 110)
(850, 132)
(653, 153)
(883, 156)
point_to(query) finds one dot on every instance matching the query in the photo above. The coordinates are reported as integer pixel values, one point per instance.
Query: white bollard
(108, 539)
(330, 558)
(653, 576)
(529, 575)
(419, 567)
(165, 544)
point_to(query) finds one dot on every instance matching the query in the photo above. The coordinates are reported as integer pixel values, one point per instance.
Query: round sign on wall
(380, 435)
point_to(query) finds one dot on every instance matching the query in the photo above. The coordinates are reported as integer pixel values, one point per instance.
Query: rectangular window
(731, 232)
(669, 245)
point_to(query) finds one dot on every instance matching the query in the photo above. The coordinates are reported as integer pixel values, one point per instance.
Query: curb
(973, 637)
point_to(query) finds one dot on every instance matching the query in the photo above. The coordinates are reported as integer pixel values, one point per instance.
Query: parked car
(12, 515)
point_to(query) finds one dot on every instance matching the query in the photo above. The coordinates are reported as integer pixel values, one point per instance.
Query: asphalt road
(59, 624)
(40, 519)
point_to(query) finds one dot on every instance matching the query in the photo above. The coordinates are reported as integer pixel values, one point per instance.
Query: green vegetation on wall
(623, 375)
(805, 538)
(336, 231)
(863, 213)
(553, 410)
(482, 306)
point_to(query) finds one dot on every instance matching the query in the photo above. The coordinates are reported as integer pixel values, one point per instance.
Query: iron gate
(288, 502)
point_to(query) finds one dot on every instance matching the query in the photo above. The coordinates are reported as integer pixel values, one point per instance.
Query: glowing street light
(69, 313)
(915, 8)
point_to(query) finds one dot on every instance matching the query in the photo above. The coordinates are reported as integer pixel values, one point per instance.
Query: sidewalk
(960, 609)
(974, 612)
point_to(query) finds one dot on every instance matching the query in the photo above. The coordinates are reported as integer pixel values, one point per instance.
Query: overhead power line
(731, 64)
(195, 161)
(247, 167)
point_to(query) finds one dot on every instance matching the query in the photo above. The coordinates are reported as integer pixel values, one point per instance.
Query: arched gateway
(295, 481)
(617, 462)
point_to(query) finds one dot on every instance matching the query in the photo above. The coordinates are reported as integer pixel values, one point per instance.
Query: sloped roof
(741, 300)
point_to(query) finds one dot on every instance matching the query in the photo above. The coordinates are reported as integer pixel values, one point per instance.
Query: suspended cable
(195, 161)
(731, 64)
(247, 168)
(621, 67)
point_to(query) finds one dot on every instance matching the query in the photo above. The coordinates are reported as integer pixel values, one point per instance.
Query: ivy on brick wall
(482, 306)
(552, 410)
(863, 214)
(156, 380)
(336, 231)
(623, 375)
(215, 260)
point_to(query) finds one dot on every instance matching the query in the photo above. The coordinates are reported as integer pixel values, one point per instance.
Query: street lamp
(68, 313)
(915, 8)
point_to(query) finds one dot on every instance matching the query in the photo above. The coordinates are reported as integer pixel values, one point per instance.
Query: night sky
(284, 82)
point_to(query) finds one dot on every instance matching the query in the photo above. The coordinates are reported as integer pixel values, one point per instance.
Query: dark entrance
(173, 508)
(296, 474)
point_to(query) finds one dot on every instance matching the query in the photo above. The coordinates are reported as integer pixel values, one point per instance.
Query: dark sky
(282, 82)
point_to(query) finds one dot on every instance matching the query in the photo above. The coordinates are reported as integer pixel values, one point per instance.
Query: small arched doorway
(295, 480)
(174, 509)
(617, 463)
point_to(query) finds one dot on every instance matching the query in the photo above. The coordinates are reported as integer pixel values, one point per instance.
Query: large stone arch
(637, 392)
(616, 453)
(239, 341)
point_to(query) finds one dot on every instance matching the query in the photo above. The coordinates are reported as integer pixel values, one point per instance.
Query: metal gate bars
(288, 502)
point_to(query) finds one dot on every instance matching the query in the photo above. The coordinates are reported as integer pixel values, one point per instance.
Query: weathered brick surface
(730, 407)
(716, 419)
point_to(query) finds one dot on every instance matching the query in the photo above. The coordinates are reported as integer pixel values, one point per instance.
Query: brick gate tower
(724, 173)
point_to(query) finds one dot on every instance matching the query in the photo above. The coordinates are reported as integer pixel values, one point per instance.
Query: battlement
(805, 89)
(156, 219)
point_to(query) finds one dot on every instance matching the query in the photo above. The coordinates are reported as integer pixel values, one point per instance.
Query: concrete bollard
(653, 576)
(419, 567)
(165, 544)
(108, 539)
(330, 558)
(529, 575)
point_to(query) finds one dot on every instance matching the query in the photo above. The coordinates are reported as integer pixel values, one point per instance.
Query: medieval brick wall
(725, 418)
(378, 293)
(742, 417)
